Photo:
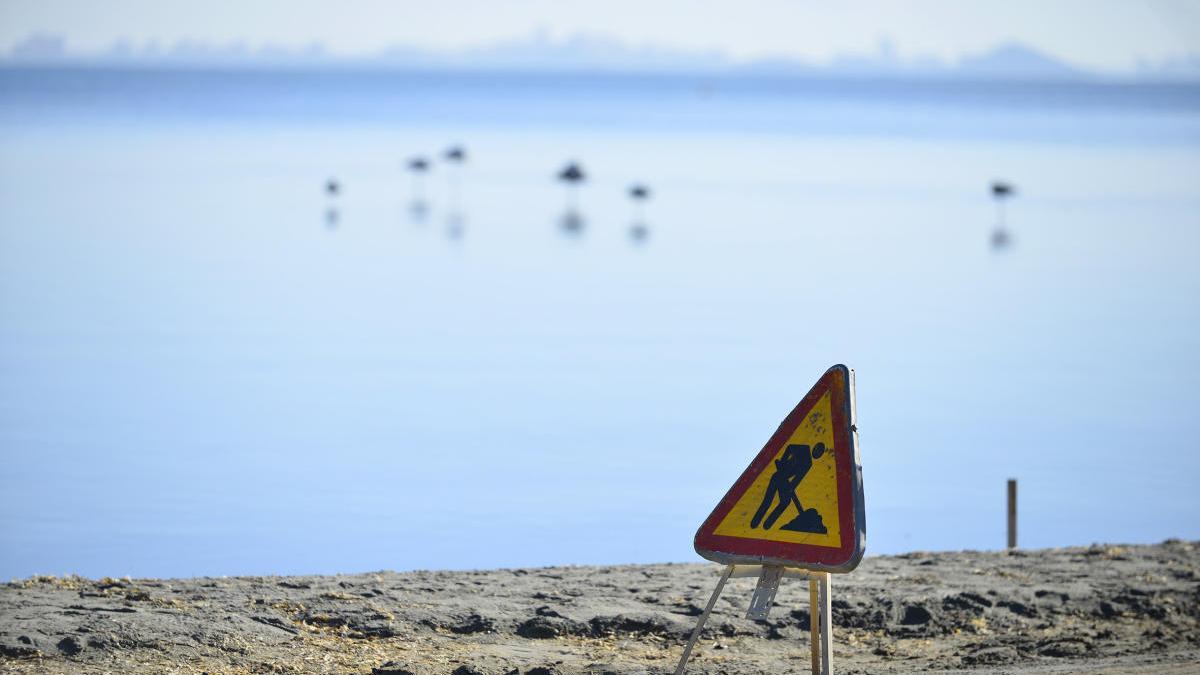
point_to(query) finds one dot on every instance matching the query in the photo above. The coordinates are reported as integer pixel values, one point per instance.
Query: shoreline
(1130, 609)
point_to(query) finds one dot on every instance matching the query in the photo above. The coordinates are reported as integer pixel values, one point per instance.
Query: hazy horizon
(1110, 39)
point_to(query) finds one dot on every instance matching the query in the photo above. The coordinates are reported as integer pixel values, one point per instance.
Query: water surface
(200, 376)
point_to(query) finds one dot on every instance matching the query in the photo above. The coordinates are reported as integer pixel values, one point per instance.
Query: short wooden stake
(826, 624)
(814, 623)
(1012, 512)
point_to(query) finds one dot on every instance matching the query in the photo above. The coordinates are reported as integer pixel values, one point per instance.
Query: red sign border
(852, 524)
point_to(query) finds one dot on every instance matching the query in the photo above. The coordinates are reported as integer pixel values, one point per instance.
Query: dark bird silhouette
(332, 215)
(1001, 191)
(418, 207)
(572, 175)
(639, 193)
(455, 156)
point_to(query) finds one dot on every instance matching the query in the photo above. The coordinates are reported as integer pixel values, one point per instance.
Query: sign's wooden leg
(826, 624)
(814, 621)
(687, 650)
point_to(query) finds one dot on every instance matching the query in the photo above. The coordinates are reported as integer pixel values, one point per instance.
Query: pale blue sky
(1099, 34)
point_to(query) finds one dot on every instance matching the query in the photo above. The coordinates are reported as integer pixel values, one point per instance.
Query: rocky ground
(1102, 609)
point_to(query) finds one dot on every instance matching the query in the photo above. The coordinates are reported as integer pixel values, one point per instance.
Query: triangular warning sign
(800, 502)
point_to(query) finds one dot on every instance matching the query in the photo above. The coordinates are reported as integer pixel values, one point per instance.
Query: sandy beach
(1098, 609)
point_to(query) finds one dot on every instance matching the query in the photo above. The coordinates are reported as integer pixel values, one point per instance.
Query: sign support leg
(687, 650)
(814, 621)
(826, 624)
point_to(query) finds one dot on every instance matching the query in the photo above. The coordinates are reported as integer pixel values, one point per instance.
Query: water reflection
(418, 210)
(332, 216)
(572, 175)
(456, 225)
(572, 222)
(639, 231)
(1001, 192)
(418, 206)
(1001, 239)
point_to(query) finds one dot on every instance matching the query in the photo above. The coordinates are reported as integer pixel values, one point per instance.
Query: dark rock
(69, 646)
(1065, 648)
(275, 622)
(395, 668)
(543, 628)
(802, 618)
(780, 630)
(324, 620)
(966, 601)
(468, 669)
(372, 629)
(688, 609)
(19, 650)
(915, 615)
(1141, 603)
(991, 656)
(621, 624)
(122, 610)
(356, 624)
(1018, 608)
(543, 670)
(473, 623)
(867, 617)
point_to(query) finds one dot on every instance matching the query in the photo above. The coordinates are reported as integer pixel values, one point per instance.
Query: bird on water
(1002, 191)
(572, 175)
(332, 188)
(418, 167)
(639, 193)
(455, 156)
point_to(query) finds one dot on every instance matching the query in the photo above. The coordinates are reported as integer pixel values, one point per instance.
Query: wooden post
(826, 625)
(1012, 512)
(814, 623)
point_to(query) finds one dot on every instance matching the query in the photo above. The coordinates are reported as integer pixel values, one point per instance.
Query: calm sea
(200, 374)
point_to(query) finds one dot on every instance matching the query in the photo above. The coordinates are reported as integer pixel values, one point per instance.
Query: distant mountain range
(586, 52)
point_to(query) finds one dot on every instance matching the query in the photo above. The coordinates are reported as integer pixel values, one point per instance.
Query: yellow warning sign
(800, 502)
(795, 498)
